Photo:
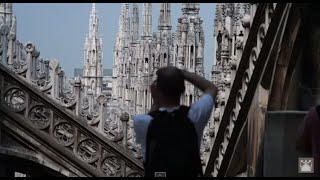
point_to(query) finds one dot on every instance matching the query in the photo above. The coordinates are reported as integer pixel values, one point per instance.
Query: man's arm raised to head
(201, 83)
(201, 110)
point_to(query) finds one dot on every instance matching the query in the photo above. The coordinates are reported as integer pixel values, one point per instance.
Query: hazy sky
(58, 30)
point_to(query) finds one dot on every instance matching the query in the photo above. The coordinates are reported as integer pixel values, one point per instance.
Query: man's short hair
(170, 81)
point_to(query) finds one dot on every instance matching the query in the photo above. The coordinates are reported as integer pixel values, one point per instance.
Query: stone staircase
(42, 123)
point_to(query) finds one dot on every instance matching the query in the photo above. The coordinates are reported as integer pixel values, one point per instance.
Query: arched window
(191, 56)
(135, 97)
(146, 65)
(133, 67)
(177, 50)
(137, 65)
(92, 85)
(176, 56)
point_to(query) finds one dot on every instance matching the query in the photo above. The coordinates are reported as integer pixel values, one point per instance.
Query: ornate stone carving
(84, 107)
(15, 99)
(124, 117)
(13, 29)
(29, 47)
(216, 114)
(211, 132)
(262, 33)
(4, 30)
(233, 115)
(53, 64)
(42, 83)
(217, 164)
(246, 79)
(239, 97)
(39, 115)
(67, 99)
(239, 42)
(233, 62)
(227, 80)
(254, 55)
(222, 97)
(246, 21)
(229, 9)
(246, 74)
(88, 150)
(64, 133)
(35, 53)
(135, 174)
(228, 132)
(222, 149)
(2, 20)
(111, 166)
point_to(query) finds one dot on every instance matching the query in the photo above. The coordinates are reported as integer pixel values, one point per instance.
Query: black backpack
(172, 145)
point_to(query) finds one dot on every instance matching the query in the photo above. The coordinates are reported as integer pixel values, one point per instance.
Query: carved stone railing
(61, 130)
(261, 29)
(47, 76)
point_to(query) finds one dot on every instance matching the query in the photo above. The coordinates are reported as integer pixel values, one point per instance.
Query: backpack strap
(183, 110)
(154, 114)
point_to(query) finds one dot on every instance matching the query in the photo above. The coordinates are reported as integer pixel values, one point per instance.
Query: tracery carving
(15, 99)
(111, 166)
(64, 133)
(39, 115)
(88, 150)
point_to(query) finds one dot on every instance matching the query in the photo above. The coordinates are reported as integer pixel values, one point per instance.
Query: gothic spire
(165, 16)
(92, 71)
(218, 22)
(122, 20)
(147, 19)
(190, 8)
(5, 8)
(93, 21)
(93, 8)
(121, 17)
(127, 24)
(135, 22)
(6, 13)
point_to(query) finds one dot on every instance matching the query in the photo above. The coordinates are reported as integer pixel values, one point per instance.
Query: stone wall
(280, 155)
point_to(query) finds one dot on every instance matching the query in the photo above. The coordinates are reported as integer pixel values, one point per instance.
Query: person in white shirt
(166, 93)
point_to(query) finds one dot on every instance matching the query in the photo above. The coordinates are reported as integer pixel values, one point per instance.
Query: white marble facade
(137, 56)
